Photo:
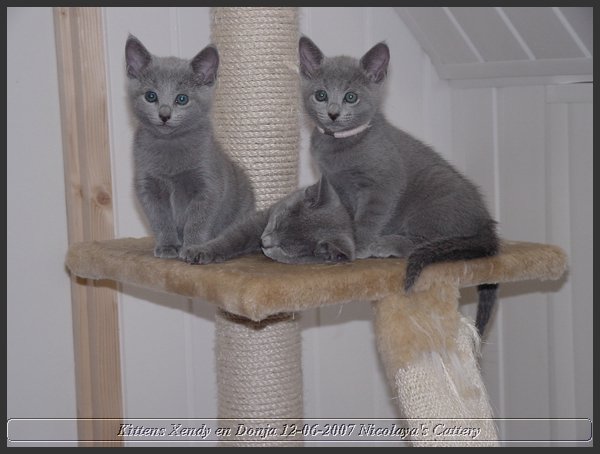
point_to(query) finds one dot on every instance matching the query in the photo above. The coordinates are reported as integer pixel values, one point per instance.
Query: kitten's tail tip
(409, 283)
(488, 294)
(413, 271)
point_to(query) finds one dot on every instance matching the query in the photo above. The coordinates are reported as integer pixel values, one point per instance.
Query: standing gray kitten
(188, 187)
(397, 190)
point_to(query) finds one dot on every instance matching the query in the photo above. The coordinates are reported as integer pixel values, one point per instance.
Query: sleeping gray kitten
(188, 187)
(397, 190)
(308, 225)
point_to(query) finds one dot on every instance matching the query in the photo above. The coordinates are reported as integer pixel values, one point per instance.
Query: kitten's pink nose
(333, 110)
(164, 112)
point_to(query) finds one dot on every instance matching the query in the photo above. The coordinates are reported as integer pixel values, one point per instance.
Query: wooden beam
(84, 114)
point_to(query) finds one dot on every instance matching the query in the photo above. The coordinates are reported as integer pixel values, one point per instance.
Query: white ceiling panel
(443, 35)
(582, 21)
(505, 44)
(543, 32)
(489, 34)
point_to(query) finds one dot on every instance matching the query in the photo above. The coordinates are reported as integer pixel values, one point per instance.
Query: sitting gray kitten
(397, 190)
(188, 187)
(308, 225)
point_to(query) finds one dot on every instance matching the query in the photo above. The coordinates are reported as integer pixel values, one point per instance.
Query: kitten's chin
(165, 130)
(333, 127)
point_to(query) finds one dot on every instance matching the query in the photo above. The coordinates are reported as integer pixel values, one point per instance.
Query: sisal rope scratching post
(257, 92)
(259, 375)
(429, 352)
(259, 372)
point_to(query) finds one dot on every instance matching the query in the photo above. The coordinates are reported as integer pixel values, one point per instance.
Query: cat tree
(428, 349)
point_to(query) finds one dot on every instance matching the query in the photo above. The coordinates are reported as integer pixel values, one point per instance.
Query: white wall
(40, 365)
(529, 148)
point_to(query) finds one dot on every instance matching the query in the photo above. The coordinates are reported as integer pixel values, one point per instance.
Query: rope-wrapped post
(259, 377)
(259, 374)
(430, 356)
(257, 95)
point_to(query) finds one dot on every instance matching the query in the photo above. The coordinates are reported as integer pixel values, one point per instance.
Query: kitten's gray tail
(483, 244)
(487, 299)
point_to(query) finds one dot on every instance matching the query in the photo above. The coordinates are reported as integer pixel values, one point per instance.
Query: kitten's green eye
(151, 96)
(182, 100)
(351, 98)
(321, 95)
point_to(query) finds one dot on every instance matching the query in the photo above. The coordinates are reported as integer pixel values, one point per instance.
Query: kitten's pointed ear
(205, 65)
(137, 57)
(311, 194)
(375, 62)
(311, 57)
(327, 194)
(320, 194)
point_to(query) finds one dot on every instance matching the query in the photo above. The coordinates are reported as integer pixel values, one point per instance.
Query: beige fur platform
(256, 287)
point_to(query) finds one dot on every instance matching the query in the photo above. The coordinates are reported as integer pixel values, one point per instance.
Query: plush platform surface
(256, 287)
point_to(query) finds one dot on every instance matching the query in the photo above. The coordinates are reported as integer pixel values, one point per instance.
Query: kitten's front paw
(390, 246)
(378, 249)
(363, 253)
(166, 252)
(330, 253)
(197, 255)
(363, 249)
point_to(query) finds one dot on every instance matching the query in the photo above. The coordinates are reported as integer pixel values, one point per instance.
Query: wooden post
(83, 95)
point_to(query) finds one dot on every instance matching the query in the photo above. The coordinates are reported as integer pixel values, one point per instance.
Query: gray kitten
(188, 187)
(399, 192)
(308, 225)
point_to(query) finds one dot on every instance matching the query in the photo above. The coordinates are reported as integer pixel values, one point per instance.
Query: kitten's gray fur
(308, 225)
(398, 190)
(188, 187)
